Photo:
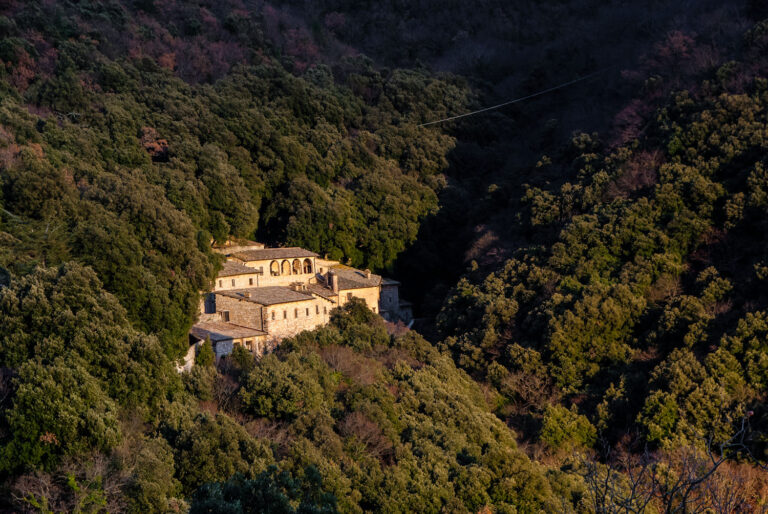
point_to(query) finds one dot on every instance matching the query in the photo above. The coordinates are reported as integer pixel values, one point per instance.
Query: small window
(225, 316)
(285, 314)
(273, 315)
(250, 281)
(307, 311)
(317, 309)
(221, 283)
(233, 282)
(295, 313)
(325, 310)
(349, 296)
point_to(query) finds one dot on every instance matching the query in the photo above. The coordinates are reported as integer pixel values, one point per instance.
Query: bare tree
(82, 484)
(684, 481)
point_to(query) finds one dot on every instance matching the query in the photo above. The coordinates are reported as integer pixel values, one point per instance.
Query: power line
(539, 93)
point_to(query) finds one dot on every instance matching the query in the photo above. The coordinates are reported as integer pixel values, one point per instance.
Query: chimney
(367, 273)
(333, 280)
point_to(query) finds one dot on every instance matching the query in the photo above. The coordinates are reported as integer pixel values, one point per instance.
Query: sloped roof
(267, 295)
(273, 253)
(237, 242)
(351, 278)
(232, 268)
(322, 291)
(223, 331)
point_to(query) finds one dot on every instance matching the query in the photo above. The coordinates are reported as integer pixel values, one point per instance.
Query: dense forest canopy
(591, 266)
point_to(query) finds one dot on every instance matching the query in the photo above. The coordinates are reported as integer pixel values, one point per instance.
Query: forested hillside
(591, 265)
(109, 157)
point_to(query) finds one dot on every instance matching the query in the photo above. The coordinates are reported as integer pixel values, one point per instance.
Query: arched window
(296, 267)
(307, 266)
(286, 268)
(274, 268)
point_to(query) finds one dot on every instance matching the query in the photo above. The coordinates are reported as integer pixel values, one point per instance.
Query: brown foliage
(275, 432)
(639, 173)
(167, 60)
(157, 148)
(392, 356)
(23, 71)
(361, 369)
(529, 392)
(225, 396)
(356, 424)
(683, 480)
(54, 492)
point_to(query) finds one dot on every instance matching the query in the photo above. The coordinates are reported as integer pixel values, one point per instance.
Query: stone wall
(188, 361)
(288, 319)
(222, 348)
(241, 312)
(369, 294)
(389, 300)
(257, 345)
(231, 248)
(279, 320)
(238, 282)
(283, 279)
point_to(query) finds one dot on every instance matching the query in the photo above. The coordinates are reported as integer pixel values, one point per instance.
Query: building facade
(263, 295)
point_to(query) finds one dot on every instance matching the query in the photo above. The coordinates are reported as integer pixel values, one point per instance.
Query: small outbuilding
(225, 336)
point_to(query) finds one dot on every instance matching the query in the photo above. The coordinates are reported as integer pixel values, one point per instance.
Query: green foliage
(199, 382)
(63, 313)
(565, 430)
(135, 163)
(78, 361)
(205, 356)
(414, 430)
(153, 485)
(634, 283)
(210, 448)
(242, 359)
(270, 491)
(644, 270)
(281, 389)
(58, 409)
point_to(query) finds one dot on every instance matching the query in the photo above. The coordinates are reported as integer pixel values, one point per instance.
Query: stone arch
(274, 268)
(296, 267)
(286, 268)
(307, 266)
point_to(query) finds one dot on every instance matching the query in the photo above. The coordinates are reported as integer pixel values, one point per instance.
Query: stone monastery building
(263, 295)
